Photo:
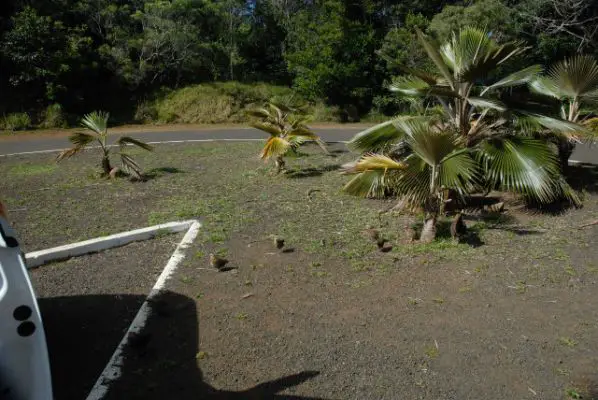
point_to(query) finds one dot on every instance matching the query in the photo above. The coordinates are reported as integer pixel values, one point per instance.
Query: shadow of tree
(583, 177)
(159, 172)
(310, 172)
(443, 231)
(83, 331)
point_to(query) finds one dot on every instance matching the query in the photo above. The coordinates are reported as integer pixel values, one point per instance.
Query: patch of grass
(431, 352)
(21, 170)
(241, 316)
(186, 279)
(201, 355)
(15, 122)
(412, 301)
(199, 254)
(573, 393)
(438, 300)
(221, 252)
(569, 270)
(320, 274)
(465, 289)
(563, 371)
(567, 341)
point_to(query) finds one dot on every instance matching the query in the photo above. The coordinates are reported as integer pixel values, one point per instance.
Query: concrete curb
(41, 257)
(113, 369)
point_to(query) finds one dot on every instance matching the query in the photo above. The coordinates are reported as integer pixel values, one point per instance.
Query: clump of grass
(241, 316)
(413, 301)
(320, 274)
(573, 393)
(21, 170)
(567, 341)
(431, 352)
(53, 117)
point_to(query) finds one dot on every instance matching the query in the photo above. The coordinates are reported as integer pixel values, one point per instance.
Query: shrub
(324, 113)
(15, 122)
(53, 117)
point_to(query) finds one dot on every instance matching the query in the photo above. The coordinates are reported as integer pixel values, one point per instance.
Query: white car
(24, 363)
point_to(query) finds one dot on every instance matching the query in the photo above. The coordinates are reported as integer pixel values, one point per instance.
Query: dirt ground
(512, 317)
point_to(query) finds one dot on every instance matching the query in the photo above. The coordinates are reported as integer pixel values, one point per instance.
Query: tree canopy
(111, 54)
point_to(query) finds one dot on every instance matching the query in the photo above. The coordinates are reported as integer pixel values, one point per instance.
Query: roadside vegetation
(197, 61)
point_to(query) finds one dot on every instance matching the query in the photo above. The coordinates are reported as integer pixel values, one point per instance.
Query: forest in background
(183, 60)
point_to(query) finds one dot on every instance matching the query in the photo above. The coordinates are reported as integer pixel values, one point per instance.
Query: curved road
(9, 145)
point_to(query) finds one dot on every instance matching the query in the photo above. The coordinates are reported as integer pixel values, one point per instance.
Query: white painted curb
(113, 369)
(37, 258)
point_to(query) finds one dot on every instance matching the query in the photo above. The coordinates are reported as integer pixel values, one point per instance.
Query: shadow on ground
(83, 332)
(583, 177)
(310, 172)
(159, 172)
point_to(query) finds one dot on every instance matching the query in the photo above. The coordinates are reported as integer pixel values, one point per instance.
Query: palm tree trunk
(106, 167)
(565, 149)
(280, 164)
(429, 230)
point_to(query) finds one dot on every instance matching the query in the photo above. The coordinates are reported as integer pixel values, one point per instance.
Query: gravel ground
(88, 302)
(512, 317)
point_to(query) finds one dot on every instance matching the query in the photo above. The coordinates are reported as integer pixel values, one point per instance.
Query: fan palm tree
(574, 82)
(430, 161)
(486, 119)
(96, 124)
(287, 128)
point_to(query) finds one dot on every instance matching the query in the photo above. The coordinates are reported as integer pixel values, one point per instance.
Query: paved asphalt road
(583, 153)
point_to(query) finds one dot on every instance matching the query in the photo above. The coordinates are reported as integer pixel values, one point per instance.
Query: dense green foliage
(120, 55)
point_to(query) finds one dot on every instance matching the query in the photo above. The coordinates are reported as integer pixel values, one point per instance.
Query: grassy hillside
(219, 103)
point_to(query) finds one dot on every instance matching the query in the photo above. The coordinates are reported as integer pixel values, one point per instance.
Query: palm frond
(414, 86)
(129, 165)
(517, 78)
(376, 137)
(472, 54)
(523, 165)
(370, 162)
(547, 87)
(259, 113)
(273, 130)
(575, 77)
(384, 135)
(81, 139)
(371, 183)
(68, 153)
(429, 144)
(297, 141)
(559, 125)
(482, 102)
(432, 49)
(124, 140)
(274, 147)
(412, 184)
(460, 171)
(96, 121)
